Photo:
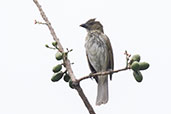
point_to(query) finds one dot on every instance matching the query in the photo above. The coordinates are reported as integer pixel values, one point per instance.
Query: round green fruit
(135, 66)
(138, 76)
(143, 65)
(57, 76)
(135, 58)
(57, 68)
(58, 56)
(66, 77)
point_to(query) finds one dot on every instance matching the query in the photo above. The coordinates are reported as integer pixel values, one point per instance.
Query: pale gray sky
(142, 27)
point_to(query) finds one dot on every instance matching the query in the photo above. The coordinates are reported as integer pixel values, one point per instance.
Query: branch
(66, 60)
(102, 73)
(108, 72)
(84, 98)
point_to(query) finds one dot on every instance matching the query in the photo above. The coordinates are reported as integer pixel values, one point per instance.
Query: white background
(138, 26)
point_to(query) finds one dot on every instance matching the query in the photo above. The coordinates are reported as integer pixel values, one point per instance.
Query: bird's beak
(84, 25)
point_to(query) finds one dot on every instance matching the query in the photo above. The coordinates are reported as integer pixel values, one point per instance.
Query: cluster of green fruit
(58, 73)
(136, 66)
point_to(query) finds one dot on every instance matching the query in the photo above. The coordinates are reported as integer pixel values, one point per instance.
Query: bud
(138, 76)
(35, 22)
(54, 44)
(46, 46)
(143, 65)
(57, 68)
(57, 76)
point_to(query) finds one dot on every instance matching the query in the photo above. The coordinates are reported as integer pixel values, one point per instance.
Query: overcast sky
(138, 26)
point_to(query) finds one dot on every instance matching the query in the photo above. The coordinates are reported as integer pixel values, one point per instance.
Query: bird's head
(92, 25)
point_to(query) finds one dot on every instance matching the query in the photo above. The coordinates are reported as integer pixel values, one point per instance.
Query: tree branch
(102, 73)
(66, 60)
(108, 72)
(84, 98)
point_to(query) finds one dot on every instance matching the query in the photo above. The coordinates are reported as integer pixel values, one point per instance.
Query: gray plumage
(100, 56)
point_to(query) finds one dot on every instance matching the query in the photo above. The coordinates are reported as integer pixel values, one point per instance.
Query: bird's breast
(96, 50)
(94, 44)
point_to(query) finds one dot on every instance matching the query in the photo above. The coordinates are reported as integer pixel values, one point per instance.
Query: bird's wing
(111, 61)
(92, 69)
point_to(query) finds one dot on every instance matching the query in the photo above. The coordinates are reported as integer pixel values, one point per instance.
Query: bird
(99, 54)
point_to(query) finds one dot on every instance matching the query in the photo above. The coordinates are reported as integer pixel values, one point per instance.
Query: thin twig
(38, 22)
(102, 73)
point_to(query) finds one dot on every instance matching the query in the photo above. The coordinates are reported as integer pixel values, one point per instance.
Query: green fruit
(58, 56)
(57, 68)
(138, 76)
(66, 77)
(143, 65)
(70, 84)
(57, 76)
(135, 58)
(54, 44)
(135, 66)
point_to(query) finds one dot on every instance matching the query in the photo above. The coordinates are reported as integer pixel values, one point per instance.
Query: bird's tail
(102, 90)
